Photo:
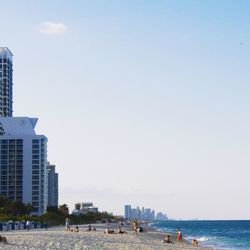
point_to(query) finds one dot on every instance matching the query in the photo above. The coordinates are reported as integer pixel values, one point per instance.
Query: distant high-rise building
(127, 212)
(6, 95)
(23, 163)
(161, 216)
(140, 214)
(133, 214)
(52, 186)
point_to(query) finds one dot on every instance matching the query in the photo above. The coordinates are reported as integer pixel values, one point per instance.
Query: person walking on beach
(179, 236)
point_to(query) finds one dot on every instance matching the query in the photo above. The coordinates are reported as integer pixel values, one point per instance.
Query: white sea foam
(203, 239)
(200, 239)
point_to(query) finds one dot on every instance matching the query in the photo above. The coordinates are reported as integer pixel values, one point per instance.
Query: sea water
(216, 234)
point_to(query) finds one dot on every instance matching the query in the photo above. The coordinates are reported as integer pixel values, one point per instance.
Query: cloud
(53, 28)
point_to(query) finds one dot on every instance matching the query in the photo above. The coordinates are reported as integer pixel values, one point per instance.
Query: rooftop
(4, 51)
(18, 125)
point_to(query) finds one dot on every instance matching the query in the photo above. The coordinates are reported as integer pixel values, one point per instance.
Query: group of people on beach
(135, 226)
(90, 228)
(76, 229)
(111, 231)
(68, 228)
(179, 239)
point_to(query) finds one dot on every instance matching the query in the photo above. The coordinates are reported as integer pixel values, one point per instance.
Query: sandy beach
(58, 238)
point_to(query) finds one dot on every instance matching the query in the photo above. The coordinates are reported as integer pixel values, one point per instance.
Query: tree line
(18, 211)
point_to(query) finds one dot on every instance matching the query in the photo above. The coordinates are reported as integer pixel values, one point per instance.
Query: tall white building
(23, 162)
(6, 98)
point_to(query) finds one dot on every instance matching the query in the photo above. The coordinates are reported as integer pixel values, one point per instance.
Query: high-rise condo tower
(6, 82)
(23, 153)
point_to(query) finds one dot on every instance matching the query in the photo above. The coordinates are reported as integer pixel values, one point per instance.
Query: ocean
(217, 234)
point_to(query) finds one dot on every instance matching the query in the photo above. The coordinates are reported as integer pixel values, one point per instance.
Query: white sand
(58, 238)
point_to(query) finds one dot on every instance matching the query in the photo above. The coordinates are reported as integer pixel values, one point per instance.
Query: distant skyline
(143, 102)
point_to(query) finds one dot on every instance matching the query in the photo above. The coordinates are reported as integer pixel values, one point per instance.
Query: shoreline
(59, 238)
(185, 240)
(173, 237)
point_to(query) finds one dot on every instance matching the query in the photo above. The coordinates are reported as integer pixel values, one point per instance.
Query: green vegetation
(17, 211)
(57, 216)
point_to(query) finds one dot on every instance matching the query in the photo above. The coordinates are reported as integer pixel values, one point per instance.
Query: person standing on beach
(179, 236)
(67, 225)
(135, 226)
(28, 225)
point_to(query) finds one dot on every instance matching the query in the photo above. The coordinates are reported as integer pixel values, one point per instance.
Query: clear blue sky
(143, 102)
